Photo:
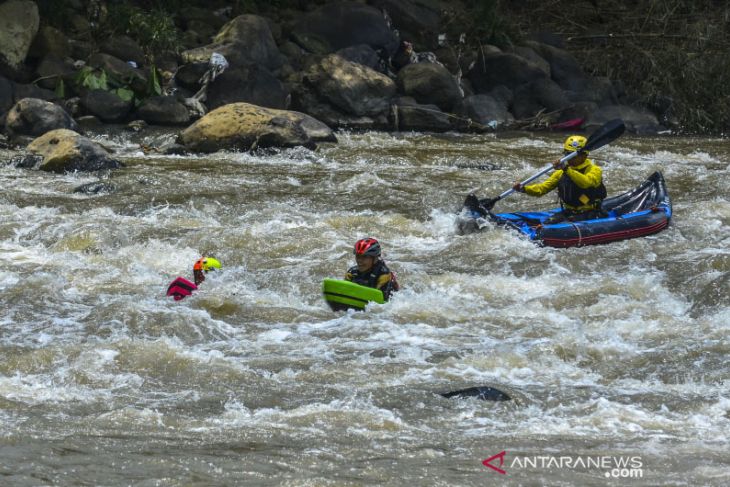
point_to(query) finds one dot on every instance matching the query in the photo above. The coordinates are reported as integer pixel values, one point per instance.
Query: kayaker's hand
(518, 187)
(559, 165)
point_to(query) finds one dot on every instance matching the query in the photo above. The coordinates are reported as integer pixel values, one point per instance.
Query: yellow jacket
(586, 175)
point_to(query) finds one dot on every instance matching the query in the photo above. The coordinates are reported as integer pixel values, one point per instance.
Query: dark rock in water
(96, 187)
(105, 105)
(28, 161)
(485, 111)
(484, 393)
(163, 110)
(409, 115)
(31, 116)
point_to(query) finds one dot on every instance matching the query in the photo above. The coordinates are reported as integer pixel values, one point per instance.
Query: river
(617, 355)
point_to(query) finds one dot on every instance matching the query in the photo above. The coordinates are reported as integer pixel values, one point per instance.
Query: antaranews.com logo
(621, 467)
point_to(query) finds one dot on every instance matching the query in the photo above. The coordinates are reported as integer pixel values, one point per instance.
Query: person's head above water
(575, 143)
(367, 253)
(203, 265)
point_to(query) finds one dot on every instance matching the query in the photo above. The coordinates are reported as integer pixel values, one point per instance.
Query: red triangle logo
(500, 455)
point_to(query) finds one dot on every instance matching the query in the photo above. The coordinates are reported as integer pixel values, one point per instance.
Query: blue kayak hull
(645, 210)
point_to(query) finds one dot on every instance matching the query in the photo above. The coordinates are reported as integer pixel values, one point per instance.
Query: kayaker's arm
(591, 179)
(545, 187)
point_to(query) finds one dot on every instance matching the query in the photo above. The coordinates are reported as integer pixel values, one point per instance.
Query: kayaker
(371, 270)
(579, 182)
(180, 288)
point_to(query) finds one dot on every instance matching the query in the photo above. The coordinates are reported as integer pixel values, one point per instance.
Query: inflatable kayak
(342, 295)
(642, 211)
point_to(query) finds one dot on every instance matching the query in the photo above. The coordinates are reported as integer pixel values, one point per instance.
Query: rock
(188, 75)
(124, 48)
(418, 21)
(7, 96)
(196, 14)
(413, 116)
(19, 21)
(531, 55)
(105, 105)
(31, 116)
(637, 120)
(361, 54)
(54, 69)
(505, 69)
(96, 187)
(121, 71)
(246, 39)
(305, 100)
(250, 83)
(163, 110)
(66, 151)
(352, 88)
(429, 83)
(22, 91)
(564, 68)
(484, 110)
(342, 24)
(597, 90)
(540, 94)
(242, 126)
(50, 41)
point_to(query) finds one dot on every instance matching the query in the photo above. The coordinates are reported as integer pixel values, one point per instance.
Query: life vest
(370, 279)
(571, 194)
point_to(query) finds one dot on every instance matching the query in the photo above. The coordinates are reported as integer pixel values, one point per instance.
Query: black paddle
(484, 393)
(605, 134)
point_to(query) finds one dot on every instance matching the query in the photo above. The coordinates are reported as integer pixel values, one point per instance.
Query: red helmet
(367, 246)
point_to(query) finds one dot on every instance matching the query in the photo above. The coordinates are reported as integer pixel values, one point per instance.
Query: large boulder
(242, 126)
(353, 88)
(50, 40)
(247, 39)
(540, 94)
(31, 116)
(251, 83)
(361, 54)
(485, 110)
(636, 119)
(19, 22)
(564, 68)
(52, 70)
(105, 105)
(418, 21)
(163, 110)
(409, 115)
(597, 90)
(506, 69)
(67, 151)
(6, 96)
(124, 48)
(430, 83)
(342, 24)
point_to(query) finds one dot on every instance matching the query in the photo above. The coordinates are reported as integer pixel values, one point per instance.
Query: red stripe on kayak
(606, 237)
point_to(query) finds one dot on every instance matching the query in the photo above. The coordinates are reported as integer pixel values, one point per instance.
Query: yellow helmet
(575, 143)
(206, 264)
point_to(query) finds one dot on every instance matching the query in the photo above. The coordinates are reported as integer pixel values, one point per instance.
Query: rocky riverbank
(241, 81)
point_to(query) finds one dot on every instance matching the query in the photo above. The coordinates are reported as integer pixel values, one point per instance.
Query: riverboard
(342, 295)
